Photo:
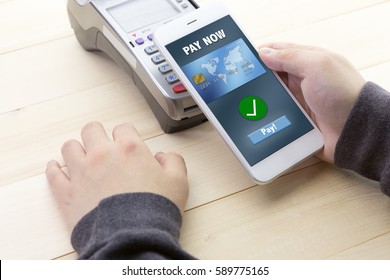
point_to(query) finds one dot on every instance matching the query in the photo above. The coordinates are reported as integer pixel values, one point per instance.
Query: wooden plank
(263, 18)
(25, 23)
(373, 249)
(310, 214)
(52, 70)
(362, 36)
(27, 220)
(70, 256)
(378, 74)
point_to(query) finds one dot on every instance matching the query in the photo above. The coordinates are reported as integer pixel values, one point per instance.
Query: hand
(324, 83)
(101, 168)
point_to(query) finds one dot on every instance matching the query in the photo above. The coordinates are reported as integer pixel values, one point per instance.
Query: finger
(172, 162)
(289, 57)
(125, 132)
(57, 180)
(73, 154)
(292, 61)
(287, 45)
(93, 135)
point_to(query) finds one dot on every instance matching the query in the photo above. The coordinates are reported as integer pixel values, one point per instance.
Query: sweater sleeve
(364, 144)
(130, 226)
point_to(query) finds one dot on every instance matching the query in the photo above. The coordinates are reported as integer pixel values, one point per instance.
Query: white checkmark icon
(254, 109)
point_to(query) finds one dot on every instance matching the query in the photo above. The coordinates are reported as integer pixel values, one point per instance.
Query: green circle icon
(253, 108)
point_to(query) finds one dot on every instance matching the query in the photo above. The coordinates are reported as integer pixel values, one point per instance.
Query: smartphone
(254, 112)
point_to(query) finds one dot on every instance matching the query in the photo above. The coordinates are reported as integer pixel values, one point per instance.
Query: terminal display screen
(135, 14)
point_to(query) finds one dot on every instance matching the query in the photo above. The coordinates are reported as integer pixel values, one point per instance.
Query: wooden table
(50, 87)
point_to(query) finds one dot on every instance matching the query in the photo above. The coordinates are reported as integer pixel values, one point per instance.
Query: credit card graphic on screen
(223, 70)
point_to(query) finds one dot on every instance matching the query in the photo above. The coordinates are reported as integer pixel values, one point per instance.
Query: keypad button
(151, 49)
(185, 6)
(150, 37)
(157, 59)
(165, 68)
(172, 78)
(179, 88)
(179, 1)
(139, 41)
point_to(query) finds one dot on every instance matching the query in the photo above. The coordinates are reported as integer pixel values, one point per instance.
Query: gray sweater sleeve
(364, 144)
(130, 226)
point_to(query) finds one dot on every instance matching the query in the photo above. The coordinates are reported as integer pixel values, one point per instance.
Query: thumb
(172, 162)
(292, 61)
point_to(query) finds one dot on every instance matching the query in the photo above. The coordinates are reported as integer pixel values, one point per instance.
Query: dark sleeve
(364, 144)
(130, 226)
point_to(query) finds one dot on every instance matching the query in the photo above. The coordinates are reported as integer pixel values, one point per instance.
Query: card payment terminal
(123, 29)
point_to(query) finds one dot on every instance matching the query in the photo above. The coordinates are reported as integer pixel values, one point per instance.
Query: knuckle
(328, 59)
(128, 145)
(286, 54)
(99, 154)
(324, 60)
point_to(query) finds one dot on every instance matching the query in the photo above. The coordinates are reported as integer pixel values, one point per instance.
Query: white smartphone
(248, 104)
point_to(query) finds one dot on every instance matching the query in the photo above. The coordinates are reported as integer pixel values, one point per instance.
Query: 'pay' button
(269, 130)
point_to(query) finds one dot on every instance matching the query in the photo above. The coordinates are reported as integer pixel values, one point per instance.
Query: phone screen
(244, 95)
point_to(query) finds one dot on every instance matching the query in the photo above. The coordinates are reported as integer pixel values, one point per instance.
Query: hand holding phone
(325, 83)
(247, 103)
